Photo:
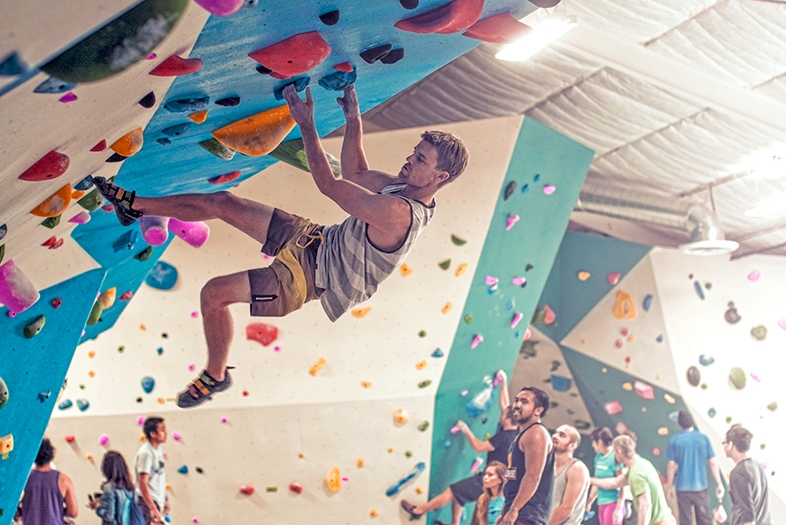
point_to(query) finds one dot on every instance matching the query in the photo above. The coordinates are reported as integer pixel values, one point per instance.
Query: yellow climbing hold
(421, 365)
(627, 386)
(199, 117)
(462, 268)
(316, 367)
(405, 270)
(129, 144)
(663, 431)
(625, 308)
(631, 338)
(448, 306)
(670, 400)
(361, 312)
(333, 480)
(54, 205)
(361, 463)
(258, 134)
(583, 276)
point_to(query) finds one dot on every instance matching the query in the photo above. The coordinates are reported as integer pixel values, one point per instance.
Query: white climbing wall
(332, 419)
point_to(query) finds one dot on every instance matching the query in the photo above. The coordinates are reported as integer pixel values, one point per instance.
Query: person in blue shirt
(689, 453)
(490, 503)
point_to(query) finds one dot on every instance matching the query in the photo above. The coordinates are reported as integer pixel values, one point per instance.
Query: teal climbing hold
(176, 130)
(82, 404)
(126, 241)
(3, 231)
(300, 84)
(148, 384)
(163, 276)
(699, 291)
(712, 412)
(12, 65)
(65, 404)
(437, 353)
(183, 469)
(560, 383)
(35, 327)
(84, 184)
(706, 360)
(339, 80)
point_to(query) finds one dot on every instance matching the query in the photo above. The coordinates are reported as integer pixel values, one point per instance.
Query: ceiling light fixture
(543, 34)
(768, 208)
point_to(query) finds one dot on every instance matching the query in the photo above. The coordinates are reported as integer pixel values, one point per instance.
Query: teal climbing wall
(542, 157)
(35, 367)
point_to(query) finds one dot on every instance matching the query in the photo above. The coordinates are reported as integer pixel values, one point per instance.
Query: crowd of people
(49, 497)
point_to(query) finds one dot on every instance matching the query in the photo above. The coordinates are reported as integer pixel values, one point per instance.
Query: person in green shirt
(644, 483)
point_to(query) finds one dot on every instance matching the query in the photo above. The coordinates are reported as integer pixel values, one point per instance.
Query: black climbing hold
(148, 101)
(484, 420)
(509, 189)
(330, 18)
(250, 3)
(228, 101)
(164, 141)
(262, 70)
(11, 66)
(116, 157)
(376, 53)
(409, 4)
(393, 56)
(165, 335)
(139, 400)
(189, 105)
(144, 254)
(43, 396)
(199, 470)
(528, 267)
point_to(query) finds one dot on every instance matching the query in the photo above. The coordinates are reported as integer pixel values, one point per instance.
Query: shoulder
(63, 480)
(578, 468)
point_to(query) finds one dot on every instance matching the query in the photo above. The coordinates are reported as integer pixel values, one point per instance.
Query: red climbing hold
(452, 17)
(101, 146)
(346, 67)
(48, 167)
(175, 66)
(498, 29)
(294, 55)
(247, 490)
(261, 333)
(226, 177)
(70, 439)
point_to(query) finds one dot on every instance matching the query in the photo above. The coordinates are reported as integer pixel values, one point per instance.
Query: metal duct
(707, 237)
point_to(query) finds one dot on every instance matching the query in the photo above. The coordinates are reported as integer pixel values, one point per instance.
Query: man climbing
(342, 264)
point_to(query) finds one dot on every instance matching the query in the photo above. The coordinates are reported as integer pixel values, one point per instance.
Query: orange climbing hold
(54, 205)
(346, 67)
(333, 480)
(176, 66)
(361, 312)
(316, 367)
(48, 167)
(452, 17)
(199, 117)
(294, 55)
(129, 144)
(498, 29)
(625, 307)
(405, 270)
(258, 134)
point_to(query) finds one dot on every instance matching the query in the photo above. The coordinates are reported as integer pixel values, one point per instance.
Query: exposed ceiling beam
(704, 89)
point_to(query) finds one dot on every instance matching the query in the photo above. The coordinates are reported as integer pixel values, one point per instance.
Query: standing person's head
(155, 430)
(566, 440)
(685, 420)
(738, 442)
(439, 158)
(115, 469)
(624, 449)
(601, 439)
(46, 453)
(493, 482)
(530, 405)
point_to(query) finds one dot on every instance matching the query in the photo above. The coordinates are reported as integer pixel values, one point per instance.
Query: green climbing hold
(144, 254)
(3, 393)
(468, 319)
(423, 426)
(35, 327)
(293, 153)
(271, 489)
(759, 332)
(772, 407)
(737, 378)
(444, 264)
(95, 313)
(92, 201)
(528, 348)
(121, 349)
(458, 241)
(422, 334)
(486, 436)
(218, 149)
(424, 384)
(51, 222)
(408, 453)
(2, 252)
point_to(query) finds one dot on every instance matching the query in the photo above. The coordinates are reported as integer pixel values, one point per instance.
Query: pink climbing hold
(191, 367)
(154, 229)
(512, 220)
(83, 217)
(176, 66)
(48, 167)
(176, 436)
(194, 233)
(527, 334)
(519, 281)
(16, 290)
(613, 278)
(221, 7)
(618, 343)
(262, 333)
(550, 316)
(475, 465)
(68, 97)
(103, 439)
(517, 317)
(126, 296)
(491, 281)
(455, 430)
(476, 341)
(549, 189)
(151, 56)
(752, 277)
(194, 314)
(613, 407)
(224, 419)
(782, 323)
(643, 390)
(294, 55)
(140, 420)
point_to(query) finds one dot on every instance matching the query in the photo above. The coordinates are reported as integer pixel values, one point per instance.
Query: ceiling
(681, 100)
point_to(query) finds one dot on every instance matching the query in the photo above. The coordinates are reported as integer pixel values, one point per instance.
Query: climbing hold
(143, 256)
(51, 222)
(92, 201)
(294, 55)
(498, 29)
(82, 217)
(393, 56)
(3, 231)
(129, 144)
(101, 146)
(194, 233)
(397, 486)
(625, 307)
(461, 269)
(82, 404)
(421, 365)
(108, 298)
(424, 384)
(699, 291)
(706, 360)
(400, 416)
(772, 407)
(54, 205)
(759, 332)
(247, 490)
(422, 334)
(228, 101)
(646, 304)
(476, 340)
(663, 431)
(511, 221)
(126, 295)
(423, 426)
(6, 445)
(754, 276)
(163, 276)
(300, 84)
(262, 333)
(177, 66)
(613, 407)
(190, 105)
(452, 17)
(365, 384)
(126, 241)
(16, 290)
(333, 480)
(330, 18)
(339, 80)
(221, 7)
(154, 229)
(3, 393)
(560, 383)
(549, 189)
(34, 327)
(65, 404)
(345, 67)
(258, 134)
(217, 149)
(519, 281)
(659, 338)
(509, 189)
(476, 465)
(437, 353)
(199, 117)
(116, 157)
(583, 276)
(48, 167)
(68, 97)
(183, 469)
(525, 188)
(517, 317)
(103, 439)
(627, 386)
(53, 85)
(444, 264)
(373, 513)
(405, 270)
(2, 252)
(737, 378)
(316, 367)
(148, 101)
(375, 53)
(176, 130)
(643, 390)
(613, 278)
(12, 65)
(731, 315)
(458, 241)
(224, 178)
(468, 319)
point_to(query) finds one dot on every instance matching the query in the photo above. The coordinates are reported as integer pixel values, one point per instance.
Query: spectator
(49, 495)
(490, 503)
(571, 479)
(747, 482)
(611, 503)
(150, 474)
(114, 493)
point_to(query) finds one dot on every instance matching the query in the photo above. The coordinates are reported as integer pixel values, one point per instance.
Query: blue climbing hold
(127, 241)
(647, 302)
(699, 291)
(3, 231)
(84, 184)
(12, 65)
(43, 396)
(659, 339)
(339, 80)
(164, 141)
(712, 412)
(438, 353)
(163, 276)
(82, 404)
(525, 188)
(447, 444)
(561, 383)
(705, 360)
(183, 469)
(396, 487)
(160, 351)
(536, 178)
(300, 84)
(674, 416)
(65, 404)
(511, 305)
(54, 85)
(148, 384)
(176, 130)
(187, 104)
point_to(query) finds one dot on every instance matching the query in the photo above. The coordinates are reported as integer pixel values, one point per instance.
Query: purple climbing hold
(376, 53)
(509, 189)
(228, 101)
(693, 376)
(330, 18)
(393, 56)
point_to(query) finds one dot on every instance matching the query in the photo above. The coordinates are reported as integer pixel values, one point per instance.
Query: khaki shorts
(288, 283)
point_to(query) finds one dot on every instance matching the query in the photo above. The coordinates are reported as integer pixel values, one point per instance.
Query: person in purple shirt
(49, 495)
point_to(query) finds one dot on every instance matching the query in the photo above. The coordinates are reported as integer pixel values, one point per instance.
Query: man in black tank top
(530, 475)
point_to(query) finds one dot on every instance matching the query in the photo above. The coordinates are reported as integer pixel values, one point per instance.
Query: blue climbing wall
(33, 368)
(542, 157)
